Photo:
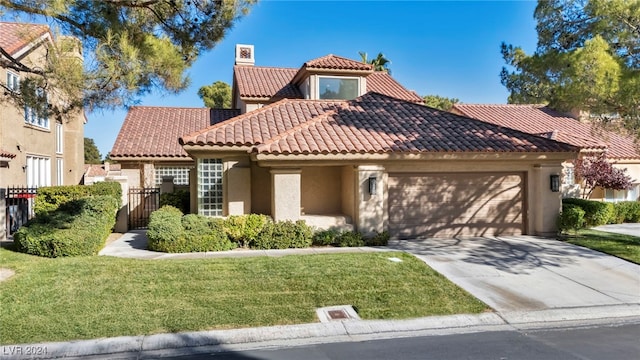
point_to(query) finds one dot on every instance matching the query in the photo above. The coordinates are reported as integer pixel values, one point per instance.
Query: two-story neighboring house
(35, 150)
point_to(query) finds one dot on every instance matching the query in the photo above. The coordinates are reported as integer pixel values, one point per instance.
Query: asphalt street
(602, 342)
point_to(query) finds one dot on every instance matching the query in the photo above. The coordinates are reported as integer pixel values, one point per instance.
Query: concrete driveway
(525, 273)
(625, 229)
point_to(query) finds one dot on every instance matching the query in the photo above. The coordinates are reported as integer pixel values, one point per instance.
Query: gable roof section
(546, 122)
(150, 131)
(372, 123)
(15, 37)
(333, 62)
(264, 83)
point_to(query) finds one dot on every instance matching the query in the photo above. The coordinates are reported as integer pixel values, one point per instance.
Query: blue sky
(448, 48)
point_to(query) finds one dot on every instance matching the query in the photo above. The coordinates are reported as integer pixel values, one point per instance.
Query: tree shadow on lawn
(511, 254)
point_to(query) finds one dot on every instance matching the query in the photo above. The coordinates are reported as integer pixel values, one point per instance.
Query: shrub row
(75, 228)
(579, 213)
(51, 197)
(349, 238)
(171, 231)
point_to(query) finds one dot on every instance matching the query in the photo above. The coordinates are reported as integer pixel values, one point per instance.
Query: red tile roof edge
(6, 154)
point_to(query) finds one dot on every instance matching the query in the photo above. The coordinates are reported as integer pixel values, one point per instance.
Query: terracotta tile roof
(372, 123)
(99, 169)
(6, 154)
(265, 82)
(15, 36)
(334, 62)
(150, 131)
(541, 120)
(275, 83)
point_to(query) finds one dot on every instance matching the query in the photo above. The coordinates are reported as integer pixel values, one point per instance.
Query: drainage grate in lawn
(337, 313)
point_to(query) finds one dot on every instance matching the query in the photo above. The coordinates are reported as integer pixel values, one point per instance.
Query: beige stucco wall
(349, 191)
(237, 186)
(24, 140)
(322, 190)
(285, 190)
(260, 190)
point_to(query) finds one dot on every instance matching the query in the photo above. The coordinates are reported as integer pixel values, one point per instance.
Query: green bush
(627, 211)
(379, 239)
(284, 235)
(75, 228)
(165, 229)
(571, 218)
(596, 212)
(180, 199)
(244, 229)
(171, 232)
(350, 239)
(51, 197)
(325, 237)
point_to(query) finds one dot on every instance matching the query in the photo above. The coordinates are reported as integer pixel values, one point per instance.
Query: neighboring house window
(59, 138)
(210, 187)
(60, 171)
(622, 195)
(38, 171)
(180, 174)
(13, 81)
(569, 176)
(338, 88)
(32, 117)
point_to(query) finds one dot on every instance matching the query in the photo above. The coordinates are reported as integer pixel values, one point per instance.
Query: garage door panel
(444, 205)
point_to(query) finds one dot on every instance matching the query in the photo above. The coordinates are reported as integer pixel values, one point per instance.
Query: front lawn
(623, 246)
(90, 297)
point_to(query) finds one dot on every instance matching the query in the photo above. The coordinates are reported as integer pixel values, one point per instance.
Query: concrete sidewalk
(632, 229)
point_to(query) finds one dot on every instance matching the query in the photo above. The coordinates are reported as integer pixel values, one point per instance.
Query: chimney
(245, 55)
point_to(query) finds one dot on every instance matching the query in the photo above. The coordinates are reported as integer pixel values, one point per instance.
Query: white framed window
(59, 138)
(38, 171)
(13, 81)
(569, 177)
(338, 87)
(59, 171)
(210, 187)
(31, 115)
(180, 174)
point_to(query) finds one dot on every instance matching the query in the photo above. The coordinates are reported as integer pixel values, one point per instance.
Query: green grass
(89, 297)
(623, 246)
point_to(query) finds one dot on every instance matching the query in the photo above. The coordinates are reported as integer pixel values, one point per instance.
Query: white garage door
(456, 204)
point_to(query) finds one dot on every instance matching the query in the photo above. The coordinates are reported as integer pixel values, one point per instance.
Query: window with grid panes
(180, 174)
(210, 187)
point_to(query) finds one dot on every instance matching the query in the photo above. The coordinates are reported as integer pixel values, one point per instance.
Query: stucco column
(238, 186)
(167, 185)
(122, 217)
(372, 207)
(285, 192)
(546, 203)
(3, 214)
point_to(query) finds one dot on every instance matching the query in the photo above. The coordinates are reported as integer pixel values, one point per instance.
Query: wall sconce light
(554, 183)
(373, 186)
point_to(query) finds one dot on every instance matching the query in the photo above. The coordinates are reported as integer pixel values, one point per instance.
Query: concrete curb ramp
(220, 340)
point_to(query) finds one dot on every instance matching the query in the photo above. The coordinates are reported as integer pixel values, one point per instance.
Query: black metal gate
(19, 206)
(142, 202)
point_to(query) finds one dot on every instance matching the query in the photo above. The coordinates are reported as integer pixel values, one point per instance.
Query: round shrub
(244, 229)
(325, 237)
(596, 212)
(379, 239)
(571, 218)
(627, 211)
(165, 229)
(284, 235)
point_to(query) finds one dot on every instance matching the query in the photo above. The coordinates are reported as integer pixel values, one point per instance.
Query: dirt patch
(6, 273)
(113, 237)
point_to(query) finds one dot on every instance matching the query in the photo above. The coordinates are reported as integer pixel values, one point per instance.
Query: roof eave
(498, 156)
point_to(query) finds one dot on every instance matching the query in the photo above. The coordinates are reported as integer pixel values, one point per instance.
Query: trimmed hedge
(571, 218)
(51, 197)
(596, 213)
(180, 199)
(627, 211)
(75, 228)
(245, 229)
(284, 235)
(170, 231)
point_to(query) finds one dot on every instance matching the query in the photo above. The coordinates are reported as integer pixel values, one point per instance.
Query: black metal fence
(19, 206)
(142, 202)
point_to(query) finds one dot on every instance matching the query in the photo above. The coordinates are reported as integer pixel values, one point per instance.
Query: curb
(186, 343)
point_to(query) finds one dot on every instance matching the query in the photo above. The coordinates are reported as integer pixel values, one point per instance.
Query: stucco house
(546, 122)
(338, 144)
(34, 150)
